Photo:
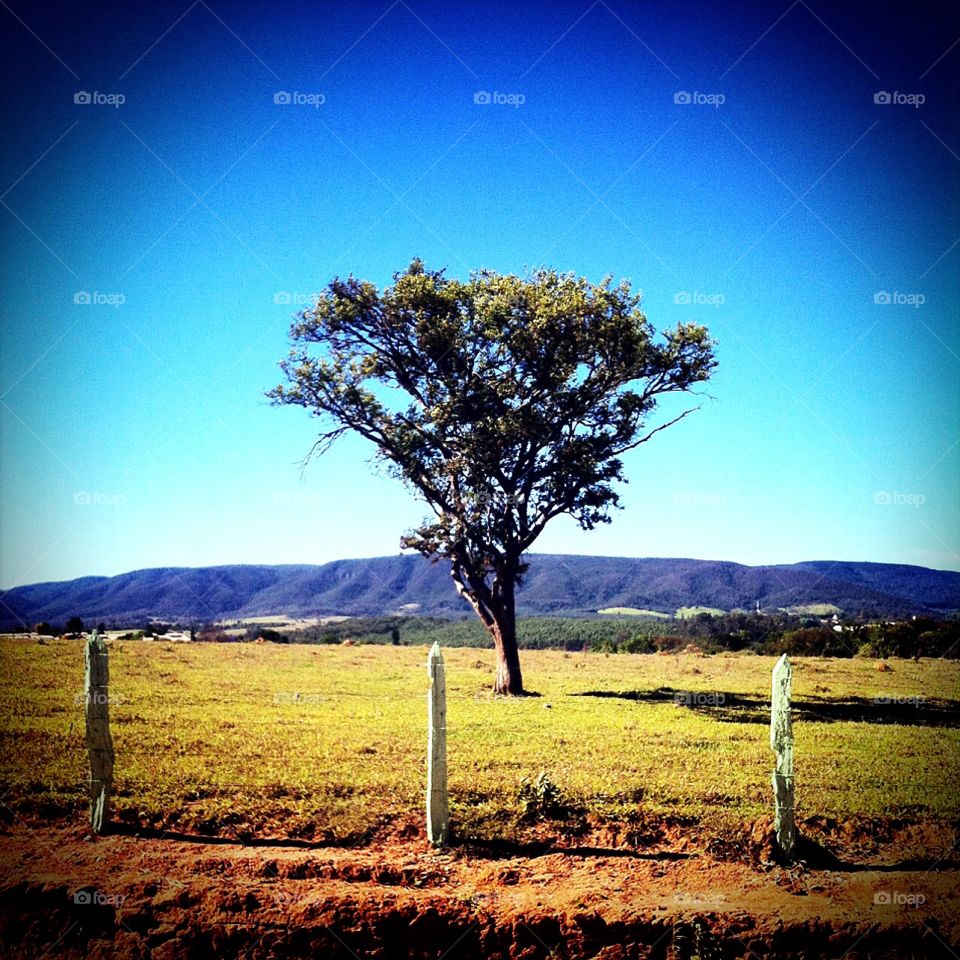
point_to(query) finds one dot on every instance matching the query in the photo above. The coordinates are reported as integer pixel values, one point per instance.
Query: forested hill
(554, 584)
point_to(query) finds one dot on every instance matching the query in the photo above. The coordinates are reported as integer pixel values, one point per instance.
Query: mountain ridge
(554, 584)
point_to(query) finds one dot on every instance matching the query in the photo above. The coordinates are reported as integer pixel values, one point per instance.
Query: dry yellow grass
(320, 740)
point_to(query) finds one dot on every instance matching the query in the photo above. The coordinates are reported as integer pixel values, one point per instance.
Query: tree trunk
(497, 611)
(504, 631)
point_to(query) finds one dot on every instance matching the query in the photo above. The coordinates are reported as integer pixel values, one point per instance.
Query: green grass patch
(688, 613)
(633, 612)
(813, 610)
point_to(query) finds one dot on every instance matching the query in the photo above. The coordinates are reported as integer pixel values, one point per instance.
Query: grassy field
(688, 613)
(329, 741)
(633, 612)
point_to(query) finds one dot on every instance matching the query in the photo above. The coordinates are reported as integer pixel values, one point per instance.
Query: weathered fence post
(437, 806)
(781, 741)
(99, 741)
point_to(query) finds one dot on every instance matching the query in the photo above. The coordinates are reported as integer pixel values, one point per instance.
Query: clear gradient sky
(134, 428)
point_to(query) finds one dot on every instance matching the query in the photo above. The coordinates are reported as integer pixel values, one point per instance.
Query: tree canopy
(502, 401)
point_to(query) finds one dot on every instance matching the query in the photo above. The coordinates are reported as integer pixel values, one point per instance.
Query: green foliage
(814, 641)
(254, 632)
(74, 625)
(757, 633)
(508, 400)
(502, 402)
(541, 799)
(626, 640)
(916, 637)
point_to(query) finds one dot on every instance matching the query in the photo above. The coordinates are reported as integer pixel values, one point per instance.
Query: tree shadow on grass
(738, 708)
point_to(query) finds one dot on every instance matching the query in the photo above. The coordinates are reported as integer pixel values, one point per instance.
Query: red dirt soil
(66, 894)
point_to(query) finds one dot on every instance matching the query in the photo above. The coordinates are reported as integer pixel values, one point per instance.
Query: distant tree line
(750, 632)
(73, 627)
(774, 633)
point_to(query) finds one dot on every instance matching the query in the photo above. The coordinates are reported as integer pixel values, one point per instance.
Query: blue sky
(778, 206)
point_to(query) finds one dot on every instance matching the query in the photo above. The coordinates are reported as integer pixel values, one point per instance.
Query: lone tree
(502, 401)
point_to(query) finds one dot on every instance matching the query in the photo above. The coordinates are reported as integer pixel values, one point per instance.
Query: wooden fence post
(99, 741)
(781, 741)
(437, 804)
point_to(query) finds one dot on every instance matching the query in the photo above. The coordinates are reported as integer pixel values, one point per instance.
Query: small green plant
(541, 799)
